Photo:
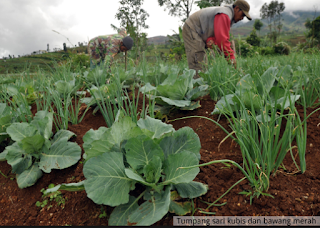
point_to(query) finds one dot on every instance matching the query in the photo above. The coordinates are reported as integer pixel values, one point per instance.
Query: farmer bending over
(212, 22)
(102, 49)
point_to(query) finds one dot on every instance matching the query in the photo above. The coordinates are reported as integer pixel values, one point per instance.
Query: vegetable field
(138, 147)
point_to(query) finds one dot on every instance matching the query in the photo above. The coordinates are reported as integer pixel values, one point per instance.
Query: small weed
(103, 213)
(42, 204)
(254, 194)
(3, 174)
(54, 196)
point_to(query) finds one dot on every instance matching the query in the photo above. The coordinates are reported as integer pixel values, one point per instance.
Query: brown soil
(294, 193)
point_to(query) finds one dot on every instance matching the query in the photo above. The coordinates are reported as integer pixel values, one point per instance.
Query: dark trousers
(195, 48)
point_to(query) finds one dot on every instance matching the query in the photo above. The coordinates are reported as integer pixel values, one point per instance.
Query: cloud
(26, 24)
(290, 5)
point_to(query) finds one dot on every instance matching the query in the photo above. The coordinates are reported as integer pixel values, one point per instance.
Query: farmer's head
(241, 9)
(126, 44)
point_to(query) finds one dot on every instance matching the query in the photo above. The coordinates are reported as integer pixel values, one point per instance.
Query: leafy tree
(271, 12)
(314, 28)
(257, 25)
(133, 18)
(253, 39)
(178, 8)
(267, 12)
(279, 9)
(208, 3)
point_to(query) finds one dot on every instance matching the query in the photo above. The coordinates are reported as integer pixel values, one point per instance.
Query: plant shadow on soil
(294, 193)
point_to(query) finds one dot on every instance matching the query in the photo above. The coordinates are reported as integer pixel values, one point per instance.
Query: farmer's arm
(221, 33)
(108, 59)
(111, 49)
(122, 32)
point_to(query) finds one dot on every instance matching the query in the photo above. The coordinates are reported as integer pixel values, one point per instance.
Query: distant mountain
(293, 22)
(157, 40)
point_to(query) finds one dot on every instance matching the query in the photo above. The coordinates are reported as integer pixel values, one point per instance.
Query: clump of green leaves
(270, 90)
(148, 152)
(34, 151)
(281, 48)
(103, 213)
(62, 95)
(49, 197)
(177, 91)
(101, 94)
(5, 121)
(18, 101)
(245, 49)
(253, 39)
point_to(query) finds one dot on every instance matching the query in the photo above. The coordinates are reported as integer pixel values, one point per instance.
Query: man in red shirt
(212, 22)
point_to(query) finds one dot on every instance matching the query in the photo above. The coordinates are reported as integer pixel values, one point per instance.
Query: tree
(257, 25)
(314, 28)
(253, 39)
(279, 9)
(133, 18)
(267, 13)
(178, 8)
(208, 3)
(272, 12)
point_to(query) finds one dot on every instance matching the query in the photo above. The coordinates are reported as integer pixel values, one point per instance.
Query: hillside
(33, 62)
(156, 40)
(293, 23)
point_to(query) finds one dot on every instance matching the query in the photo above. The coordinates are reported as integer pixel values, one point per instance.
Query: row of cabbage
(138, 148)
(135, 148)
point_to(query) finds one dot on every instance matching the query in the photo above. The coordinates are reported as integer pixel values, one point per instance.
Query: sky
(29, 25)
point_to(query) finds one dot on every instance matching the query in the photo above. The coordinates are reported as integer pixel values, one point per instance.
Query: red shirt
(221, 34)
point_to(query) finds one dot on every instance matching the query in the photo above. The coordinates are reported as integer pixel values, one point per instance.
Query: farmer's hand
(234, 63)
(241, 71)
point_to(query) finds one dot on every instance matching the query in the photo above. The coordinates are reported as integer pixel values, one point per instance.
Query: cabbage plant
(18, 101)
(274, 89)
(177, 91)
(35, 152)
(102, 93)
(60, 97)
(148, 152)
(5, 121)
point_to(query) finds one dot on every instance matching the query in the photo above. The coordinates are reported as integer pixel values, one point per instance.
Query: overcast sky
(27, 25)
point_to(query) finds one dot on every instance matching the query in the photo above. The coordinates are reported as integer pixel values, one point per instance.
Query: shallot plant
(263, 142)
